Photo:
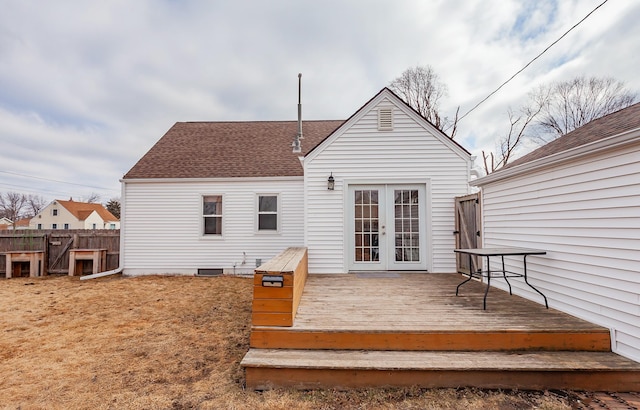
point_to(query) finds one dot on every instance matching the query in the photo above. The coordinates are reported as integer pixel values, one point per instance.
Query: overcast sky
(87, 87)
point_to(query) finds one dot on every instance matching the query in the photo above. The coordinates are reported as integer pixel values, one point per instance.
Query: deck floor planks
(421, 302)
(427, 360)
(359, 331)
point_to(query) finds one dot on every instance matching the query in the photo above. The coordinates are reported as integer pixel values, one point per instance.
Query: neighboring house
(233, 194)
(578, 198)
(5, 224)
(74, 215)
(22, 224)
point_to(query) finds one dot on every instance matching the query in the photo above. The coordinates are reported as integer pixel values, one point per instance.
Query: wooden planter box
(277, 288)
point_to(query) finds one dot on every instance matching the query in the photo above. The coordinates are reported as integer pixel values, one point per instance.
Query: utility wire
(530, 62)
(61, 182)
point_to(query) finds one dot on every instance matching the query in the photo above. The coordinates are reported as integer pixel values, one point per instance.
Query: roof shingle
(230, 149)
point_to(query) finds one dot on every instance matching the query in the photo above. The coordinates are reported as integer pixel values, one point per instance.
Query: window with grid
(407, 225)
(267, 212)
(367, 224)
(212, 214)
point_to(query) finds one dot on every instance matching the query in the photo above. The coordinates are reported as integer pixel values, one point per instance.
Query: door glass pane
(366, 221)
(407, 225)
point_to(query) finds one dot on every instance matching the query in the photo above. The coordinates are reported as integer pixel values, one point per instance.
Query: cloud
(88, 87)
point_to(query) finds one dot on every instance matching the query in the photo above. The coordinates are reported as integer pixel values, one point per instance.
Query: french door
(387, 227)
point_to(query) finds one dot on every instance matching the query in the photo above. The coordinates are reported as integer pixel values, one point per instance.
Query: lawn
(167, 343)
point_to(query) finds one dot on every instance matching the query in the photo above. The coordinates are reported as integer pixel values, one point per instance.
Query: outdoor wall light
(331, 182)
(272, 281)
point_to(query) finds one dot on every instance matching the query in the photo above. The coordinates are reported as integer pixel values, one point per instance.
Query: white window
(212, 214)
(268, 212)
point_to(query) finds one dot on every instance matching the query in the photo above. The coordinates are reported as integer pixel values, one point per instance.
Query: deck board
(429, 360)
(512, 370)
(421, 302)
(411, 329)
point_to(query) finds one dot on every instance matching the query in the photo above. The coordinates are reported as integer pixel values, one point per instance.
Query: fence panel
(57, 243)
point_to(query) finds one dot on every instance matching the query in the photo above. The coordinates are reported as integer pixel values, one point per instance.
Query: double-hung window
(212, 214)
(267, 212)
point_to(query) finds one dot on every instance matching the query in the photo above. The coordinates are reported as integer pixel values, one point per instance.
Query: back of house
(375, 192)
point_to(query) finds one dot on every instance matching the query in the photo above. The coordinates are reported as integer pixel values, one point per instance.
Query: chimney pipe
(296, 142)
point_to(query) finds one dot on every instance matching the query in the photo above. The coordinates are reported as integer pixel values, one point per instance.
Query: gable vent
(385, 119)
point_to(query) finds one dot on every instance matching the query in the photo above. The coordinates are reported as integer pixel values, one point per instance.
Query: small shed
(578, 198)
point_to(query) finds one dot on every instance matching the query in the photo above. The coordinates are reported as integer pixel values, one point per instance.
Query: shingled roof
(82, 210)
(230, 149)
(612, 124)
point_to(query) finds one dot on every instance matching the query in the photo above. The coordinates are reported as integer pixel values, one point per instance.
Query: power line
(32, 190)
(530, 62)
(54, 180)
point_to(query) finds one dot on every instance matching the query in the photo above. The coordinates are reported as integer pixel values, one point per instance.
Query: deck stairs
(396, 330)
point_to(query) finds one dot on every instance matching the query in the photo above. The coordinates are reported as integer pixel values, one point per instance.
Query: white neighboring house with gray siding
(578, 198)
(232, 194)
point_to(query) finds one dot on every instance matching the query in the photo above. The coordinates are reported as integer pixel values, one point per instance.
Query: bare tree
(12, 205)
(516, 135)
(93, 198)
(421, 88)
(113, 206)
(34, 203)
(573, 103)
(556, 109)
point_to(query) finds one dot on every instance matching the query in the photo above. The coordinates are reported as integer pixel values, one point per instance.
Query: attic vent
(385, 119)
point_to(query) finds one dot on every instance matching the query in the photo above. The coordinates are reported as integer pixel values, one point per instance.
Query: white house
(74, 215)
(233, 194)
(578, 198)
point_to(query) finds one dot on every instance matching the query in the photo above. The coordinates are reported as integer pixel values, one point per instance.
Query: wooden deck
(410, 329)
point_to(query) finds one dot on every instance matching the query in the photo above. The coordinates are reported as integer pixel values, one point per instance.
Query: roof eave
(604, 144)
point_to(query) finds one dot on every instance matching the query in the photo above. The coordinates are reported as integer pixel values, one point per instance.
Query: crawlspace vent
(210, 272)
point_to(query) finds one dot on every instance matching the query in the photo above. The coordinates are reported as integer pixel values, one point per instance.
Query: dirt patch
(168, 343)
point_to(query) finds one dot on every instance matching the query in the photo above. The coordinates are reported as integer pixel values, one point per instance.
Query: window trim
(277, 213)
(203, 217)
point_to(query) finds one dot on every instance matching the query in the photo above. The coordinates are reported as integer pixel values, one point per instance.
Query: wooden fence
(56, 244)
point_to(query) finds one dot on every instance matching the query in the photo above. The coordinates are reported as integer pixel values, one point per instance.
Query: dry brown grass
(166, 343)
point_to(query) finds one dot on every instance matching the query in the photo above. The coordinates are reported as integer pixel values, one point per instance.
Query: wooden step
(595, 340)
(343, 369)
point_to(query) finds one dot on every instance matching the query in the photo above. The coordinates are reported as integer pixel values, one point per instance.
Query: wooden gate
(468, 230)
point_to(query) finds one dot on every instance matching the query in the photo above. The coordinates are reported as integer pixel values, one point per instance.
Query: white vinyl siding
(586, 215)
(410, 153)
(162, 225)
